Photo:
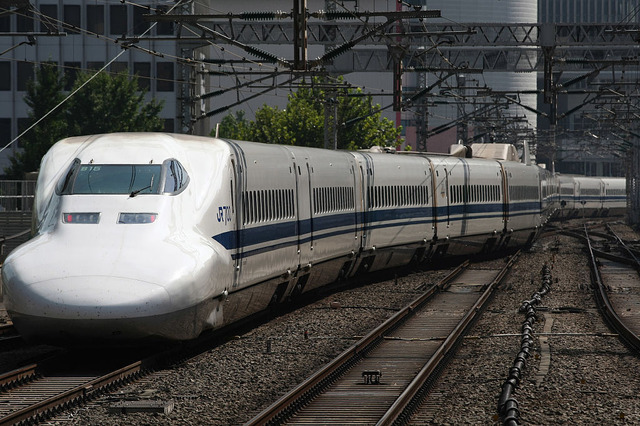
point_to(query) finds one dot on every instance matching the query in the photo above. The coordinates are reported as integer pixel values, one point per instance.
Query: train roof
(495, 151)
(113, 147)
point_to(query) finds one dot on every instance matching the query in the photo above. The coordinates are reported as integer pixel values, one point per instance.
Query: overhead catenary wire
(241, 84)
(70, 94)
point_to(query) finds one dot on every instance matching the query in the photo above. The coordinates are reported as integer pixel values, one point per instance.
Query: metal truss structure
(570, 57)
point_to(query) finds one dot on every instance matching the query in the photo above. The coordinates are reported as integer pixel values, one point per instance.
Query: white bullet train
(582, 196)
(150, 236)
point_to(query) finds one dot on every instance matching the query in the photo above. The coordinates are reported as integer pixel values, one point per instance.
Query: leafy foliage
(43, 94)
(111, 104)
(105, 104)
(302, 122)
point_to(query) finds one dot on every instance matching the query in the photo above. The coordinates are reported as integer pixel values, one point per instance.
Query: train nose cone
(92, 309)
(87, 297)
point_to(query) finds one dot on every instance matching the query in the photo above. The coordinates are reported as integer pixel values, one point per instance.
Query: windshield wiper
(137, 191)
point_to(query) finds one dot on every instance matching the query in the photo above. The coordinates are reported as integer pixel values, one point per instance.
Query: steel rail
(73, 395)
(18, 375)
(408, 397)
(627, 250)
(284, 407)
(604, 303)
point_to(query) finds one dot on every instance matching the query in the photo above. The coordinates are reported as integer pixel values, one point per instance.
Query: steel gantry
(400, 42)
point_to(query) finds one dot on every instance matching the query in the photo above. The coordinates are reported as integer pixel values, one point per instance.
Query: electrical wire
(71, 94)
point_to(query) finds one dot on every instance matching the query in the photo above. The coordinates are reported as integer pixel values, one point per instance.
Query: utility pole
(548, 45)
(300, 35)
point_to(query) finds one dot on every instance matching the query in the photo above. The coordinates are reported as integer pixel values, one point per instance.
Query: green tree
(105, 104)
(43, 94)
(235, 127)
(302, 122)
(111, 104)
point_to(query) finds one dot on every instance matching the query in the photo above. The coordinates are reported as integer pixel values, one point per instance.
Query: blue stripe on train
(286, 234)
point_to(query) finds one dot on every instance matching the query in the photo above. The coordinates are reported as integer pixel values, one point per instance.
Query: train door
(441, 201)
(579, 202)
(303, 212)
(444, 195)
(237, 210)
(365, 167)
(434, 200)
(360, 195)
(505, 196)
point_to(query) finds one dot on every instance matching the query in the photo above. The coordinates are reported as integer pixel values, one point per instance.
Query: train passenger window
(245, 207)
(279, 202)
(272, 204)
(254, 206)
(292, 207)
(315, 200)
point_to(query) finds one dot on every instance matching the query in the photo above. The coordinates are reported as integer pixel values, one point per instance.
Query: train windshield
(130, 179)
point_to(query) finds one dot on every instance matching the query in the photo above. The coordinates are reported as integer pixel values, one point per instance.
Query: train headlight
(137, 217)
(81, 217)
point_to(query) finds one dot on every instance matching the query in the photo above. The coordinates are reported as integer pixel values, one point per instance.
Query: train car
(567, 188)
(123, 241)
(615, 196)
(471, 204)
(581, 196)
(397, 207)
(589, 196)
(524, 201)
(149, 236)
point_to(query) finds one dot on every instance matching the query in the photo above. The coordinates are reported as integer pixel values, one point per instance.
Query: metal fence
(16, 203)
(17, 195)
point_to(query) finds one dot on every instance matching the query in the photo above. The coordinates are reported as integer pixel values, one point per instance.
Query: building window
(23, 124)
(164, 28)
(25, 74)
(5, 131)
(118, 67)
(164, 76)
(118, 19)
(25, 21)
(5, 75)
(169, 125)
(140, 25)
(71, 70)
(5, 23)
(95, 19)
(95, 66)
(72, 19)
(143, 71)
(49, 19)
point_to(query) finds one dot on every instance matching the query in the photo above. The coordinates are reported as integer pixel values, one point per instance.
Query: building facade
(30, 37)
(578, 147)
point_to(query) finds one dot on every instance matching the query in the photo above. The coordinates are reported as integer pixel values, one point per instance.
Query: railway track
(66, 378)
(34, 392)
(385, 376)
(615, 271)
